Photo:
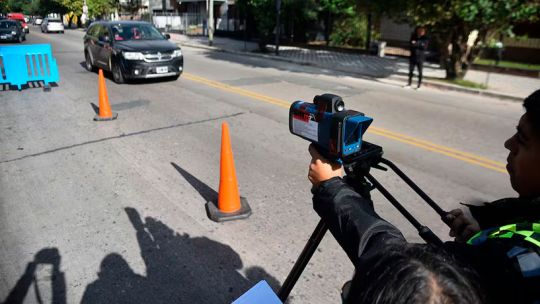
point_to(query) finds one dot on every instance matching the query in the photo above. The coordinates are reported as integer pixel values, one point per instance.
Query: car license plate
(3, 37)
(161, 70)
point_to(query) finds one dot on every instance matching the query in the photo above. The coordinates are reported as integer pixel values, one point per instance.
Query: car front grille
(158, 56)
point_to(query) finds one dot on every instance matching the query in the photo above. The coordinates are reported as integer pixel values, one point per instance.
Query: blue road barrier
(23, 63)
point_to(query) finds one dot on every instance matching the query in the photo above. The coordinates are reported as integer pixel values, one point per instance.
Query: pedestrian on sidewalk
(418, 46)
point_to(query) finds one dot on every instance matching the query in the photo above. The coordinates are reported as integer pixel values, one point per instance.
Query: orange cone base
(99, 118)
(217, 215)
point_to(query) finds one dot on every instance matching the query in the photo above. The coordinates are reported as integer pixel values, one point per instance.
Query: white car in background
(38, 21)
(52, 25)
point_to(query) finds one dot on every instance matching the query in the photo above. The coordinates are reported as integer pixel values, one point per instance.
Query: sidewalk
(389, 69)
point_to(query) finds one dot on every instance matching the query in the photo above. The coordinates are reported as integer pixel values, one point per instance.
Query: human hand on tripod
(462, 227)
(320, 168)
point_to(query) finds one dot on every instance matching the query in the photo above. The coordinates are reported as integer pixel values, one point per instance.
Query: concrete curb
(449, 87)
(427, 83)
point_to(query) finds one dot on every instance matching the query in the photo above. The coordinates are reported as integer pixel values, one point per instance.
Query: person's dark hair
(416, 273)
(532, 108)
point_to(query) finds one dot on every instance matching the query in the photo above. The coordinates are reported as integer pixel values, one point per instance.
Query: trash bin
(377, 48)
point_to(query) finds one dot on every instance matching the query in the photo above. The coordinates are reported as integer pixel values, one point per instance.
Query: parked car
(131, 49)
(19, 17)
(52, 25)
(11, 30)
(38, 21)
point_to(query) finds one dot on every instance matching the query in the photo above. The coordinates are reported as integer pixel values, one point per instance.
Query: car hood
(145, 45)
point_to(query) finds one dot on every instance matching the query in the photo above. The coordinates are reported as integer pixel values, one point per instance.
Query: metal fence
(191, 23)
(188, 23)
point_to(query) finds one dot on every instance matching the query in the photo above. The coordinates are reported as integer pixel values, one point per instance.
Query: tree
(264, 14)
(16, 5)
(451, 22)
(45, 7)
(100, 8)
(73, 7)
(336, 12)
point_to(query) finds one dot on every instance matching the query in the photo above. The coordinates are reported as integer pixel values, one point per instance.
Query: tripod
(357, 172)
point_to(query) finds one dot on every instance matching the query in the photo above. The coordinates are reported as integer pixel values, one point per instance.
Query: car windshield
(7, 24)
(122, 32)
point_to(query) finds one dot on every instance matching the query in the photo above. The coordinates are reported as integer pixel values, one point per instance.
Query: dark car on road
(130, 50)
(11, 30)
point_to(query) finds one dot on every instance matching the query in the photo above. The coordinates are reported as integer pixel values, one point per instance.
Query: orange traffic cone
(105, 112)
(230, 206)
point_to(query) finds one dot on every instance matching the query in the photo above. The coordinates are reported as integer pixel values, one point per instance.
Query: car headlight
(133, 55)
(177, 53)
(13, 33)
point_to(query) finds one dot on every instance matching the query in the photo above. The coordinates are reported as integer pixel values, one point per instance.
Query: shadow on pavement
(382, 69)
(42, 281)
(179, 269)
(209, 194)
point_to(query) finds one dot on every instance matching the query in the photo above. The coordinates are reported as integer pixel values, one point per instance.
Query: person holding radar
(495, 257)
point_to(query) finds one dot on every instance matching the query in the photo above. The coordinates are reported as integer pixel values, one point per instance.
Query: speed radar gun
(337, 133)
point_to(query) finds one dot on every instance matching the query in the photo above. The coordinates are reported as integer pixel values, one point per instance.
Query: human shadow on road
(179, 269)
(53, 279)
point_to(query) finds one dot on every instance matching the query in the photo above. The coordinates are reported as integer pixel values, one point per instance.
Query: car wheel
(20, 39)
(61, 32)
(118, 76)
(88, 62)
(175, 77)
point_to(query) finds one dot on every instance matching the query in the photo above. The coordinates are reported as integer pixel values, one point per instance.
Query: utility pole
(278, 25)
(84, 16)
(211, 23)
(368, 31)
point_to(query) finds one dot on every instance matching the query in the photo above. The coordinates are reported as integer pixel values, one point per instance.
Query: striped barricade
(24, 63)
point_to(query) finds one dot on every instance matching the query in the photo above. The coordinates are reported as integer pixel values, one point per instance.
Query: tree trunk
(327, 28)
(458, 62)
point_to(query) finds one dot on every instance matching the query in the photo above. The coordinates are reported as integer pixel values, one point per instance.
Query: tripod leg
(303, 260)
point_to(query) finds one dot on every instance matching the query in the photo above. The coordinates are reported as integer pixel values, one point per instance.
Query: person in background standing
(418, 46)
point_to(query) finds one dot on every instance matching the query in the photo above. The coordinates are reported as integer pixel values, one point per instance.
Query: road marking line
(420, 143)
(439, 147)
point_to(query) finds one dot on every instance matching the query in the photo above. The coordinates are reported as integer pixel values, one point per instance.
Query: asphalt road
(114, 211)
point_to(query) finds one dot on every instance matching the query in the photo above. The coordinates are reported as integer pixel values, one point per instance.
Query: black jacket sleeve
(353, 221)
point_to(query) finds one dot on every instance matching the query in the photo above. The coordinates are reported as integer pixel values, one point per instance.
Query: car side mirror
(167, 36)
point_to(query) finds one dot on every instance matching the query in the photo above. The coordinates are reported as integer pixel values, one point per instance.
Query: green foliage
(349, 31)
(508, 64)
(451, 21)
(73, 6)
(100, 7)
(338, 7)
(264, 14)
(16, 6)
(45, 7)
